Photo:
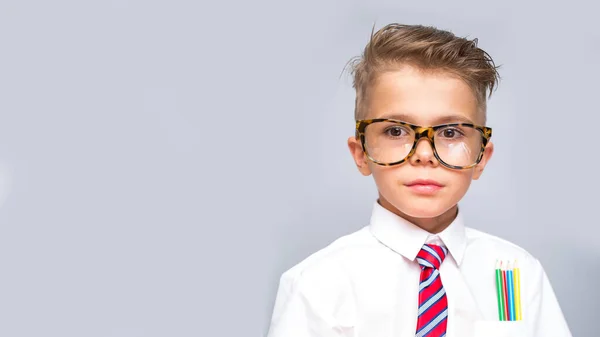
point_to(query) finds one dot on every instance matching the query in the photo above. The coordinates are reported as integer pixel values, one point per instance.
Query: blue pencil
(511, 294)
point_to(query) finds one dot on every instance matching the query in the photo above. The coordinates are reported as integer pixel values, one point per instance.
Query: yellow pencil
(517, 281)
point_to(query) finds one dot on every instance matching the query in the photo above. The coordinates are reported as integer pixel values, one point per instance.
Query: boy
(416, 270)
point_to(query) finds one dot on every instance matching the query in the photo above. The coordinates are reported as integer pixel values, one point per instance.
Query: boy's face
(425, 99)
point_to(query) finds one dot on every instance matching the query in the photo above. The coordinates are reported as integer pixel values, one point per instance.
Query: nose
(424, 153)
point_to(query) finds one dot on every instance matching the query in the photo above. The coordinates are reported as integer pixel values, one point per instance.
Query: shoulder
(318, 288)
(479, 239)
(327, 264)
(491, 247)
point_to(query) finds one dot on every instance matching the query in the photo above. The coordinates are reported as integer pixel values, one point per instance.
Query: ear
(487, 155)
(359, 156)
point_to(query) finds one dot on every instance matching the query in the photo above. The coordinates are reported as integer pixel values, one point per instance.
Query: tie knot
(431, 256)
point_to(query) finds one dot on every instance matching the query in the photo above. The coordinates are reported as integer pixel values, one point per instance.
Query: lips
(424, 182)
(424, 186)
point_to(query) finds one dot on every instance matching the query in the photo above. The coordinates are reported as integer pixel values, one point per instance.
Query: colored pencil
(518, 291)
(511, 293)
(505, 294)
(499, 291)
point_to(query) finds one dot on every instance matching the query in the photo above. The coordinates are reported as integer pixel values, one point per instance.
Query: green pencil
(499, 291)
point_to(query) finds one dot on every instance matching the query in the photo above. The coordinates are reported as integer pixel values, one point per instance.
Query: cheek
(390, 179)
(385, 177)
(382, 172)
(461, 180)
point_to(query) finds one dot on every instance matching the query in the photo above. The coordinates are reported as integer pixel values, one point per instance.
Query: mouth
(424, 186)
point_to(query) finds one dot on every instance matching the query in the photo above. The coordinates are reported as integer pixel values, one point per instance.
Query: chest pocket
(500, 329)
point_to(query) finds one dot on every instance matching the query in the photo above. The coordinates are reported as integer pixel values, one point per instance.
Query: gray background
(162, 163)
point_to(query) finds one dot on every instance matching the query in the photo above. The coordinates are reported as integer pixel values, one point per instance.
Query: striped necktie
(433, 304)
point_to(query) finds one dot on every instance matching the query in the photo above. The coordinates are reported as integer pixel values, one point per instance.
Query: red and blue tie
(433, 304)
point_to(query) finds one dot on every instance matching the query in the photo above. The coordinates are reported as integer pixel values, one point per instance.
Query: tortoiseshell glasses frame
(423, 132)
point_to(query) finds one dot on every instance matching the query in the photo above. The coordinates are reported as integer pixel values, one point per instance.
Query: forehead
(422, 97)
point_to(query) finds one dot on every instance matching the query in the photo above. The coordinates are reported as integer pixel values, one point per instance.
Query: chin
(417, 212)
(423, 209)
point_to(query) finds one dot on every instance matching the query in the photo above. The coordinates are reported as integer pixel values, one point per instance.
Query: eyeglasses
(389, 142)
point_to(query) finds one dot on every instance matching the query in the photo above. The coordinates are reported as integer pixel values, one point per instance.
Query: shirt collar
(405, 238)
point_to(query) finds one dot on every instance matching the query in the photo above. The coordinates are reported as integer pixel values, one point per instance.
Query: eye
(395, 131)
(451, 133)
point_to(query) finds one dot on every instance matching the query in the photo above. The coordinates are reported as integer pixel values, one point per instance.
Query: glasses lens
(458, 145)
(388, 142)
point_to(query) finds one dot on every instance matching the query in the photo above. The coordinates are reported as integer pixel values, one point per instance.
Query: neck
(432, 225)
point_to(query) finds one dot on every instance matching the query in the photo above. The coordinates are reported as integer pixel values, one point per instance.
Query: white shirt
(366, 285)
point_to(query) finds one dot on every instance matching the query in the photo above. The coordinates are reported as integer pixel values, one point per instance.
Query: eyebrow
(440, 120)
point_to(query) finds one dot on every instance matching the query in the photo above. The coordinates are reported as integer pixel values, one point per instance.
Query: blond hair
(426, 48)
